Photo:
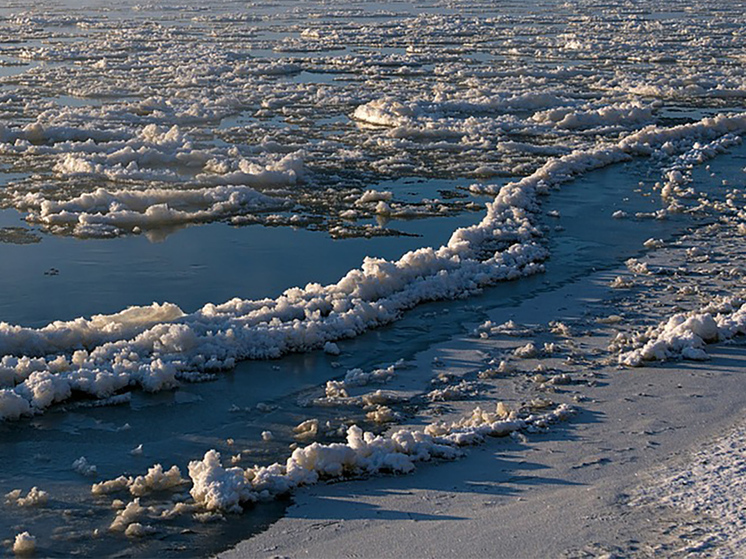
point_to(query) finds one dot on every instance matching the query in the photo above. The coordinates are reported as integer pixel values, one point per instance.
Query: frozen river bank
(234, 229)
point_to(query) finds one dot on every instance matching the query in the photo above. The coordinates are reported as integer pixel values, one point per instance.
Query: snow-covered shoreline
(643, 469)
(530, 146)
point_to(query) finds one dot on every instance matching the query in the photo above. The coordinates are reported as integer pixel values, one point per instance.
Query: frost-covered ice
(349, 121)
(24, 544)
(685, 335)
(710, 485)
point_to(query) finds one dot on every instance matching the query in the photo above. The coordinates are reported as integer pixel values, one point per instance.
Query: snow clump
(24, 544)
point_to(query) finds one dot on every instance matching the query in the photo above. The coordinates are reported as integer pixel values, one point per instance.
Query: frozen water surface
(210, 157)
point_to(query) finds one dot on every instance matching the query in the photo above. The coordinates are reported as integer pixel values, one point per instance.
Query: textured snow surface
(711, 486)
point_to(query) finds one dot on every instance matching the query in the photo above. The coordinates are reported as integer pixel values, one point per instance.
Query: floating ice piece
(621, 283)
(127, 516)
(509, 328)
(380, 397)
(374, 196)
(526, 351)
(155, 480)
(336, 389)
(460, 391)
(625, 114)
(357, 377)
(84, 468)
(560, 329)
(125, 210)
(654, 243)
(331, 348)
(217, 488)
(382, 414)
(34, 498)
(637, 267)
(24, 544)
(137, 530)
(307, 429)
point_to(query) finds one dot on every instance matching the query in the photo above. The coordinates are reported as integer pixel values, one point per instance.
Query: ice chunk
(24, 544)
(84, 468)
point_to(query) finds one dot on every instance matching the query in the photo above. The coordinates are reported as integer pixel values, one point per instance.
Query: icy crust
(216, 488)
(685, 336)
(222, 185)
(103, 211)
(710, 485)
(103, 356)
(88, 105)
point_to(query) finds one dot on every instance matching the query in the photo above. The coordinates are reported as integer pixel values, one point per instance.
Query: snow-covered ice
(454, 135)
